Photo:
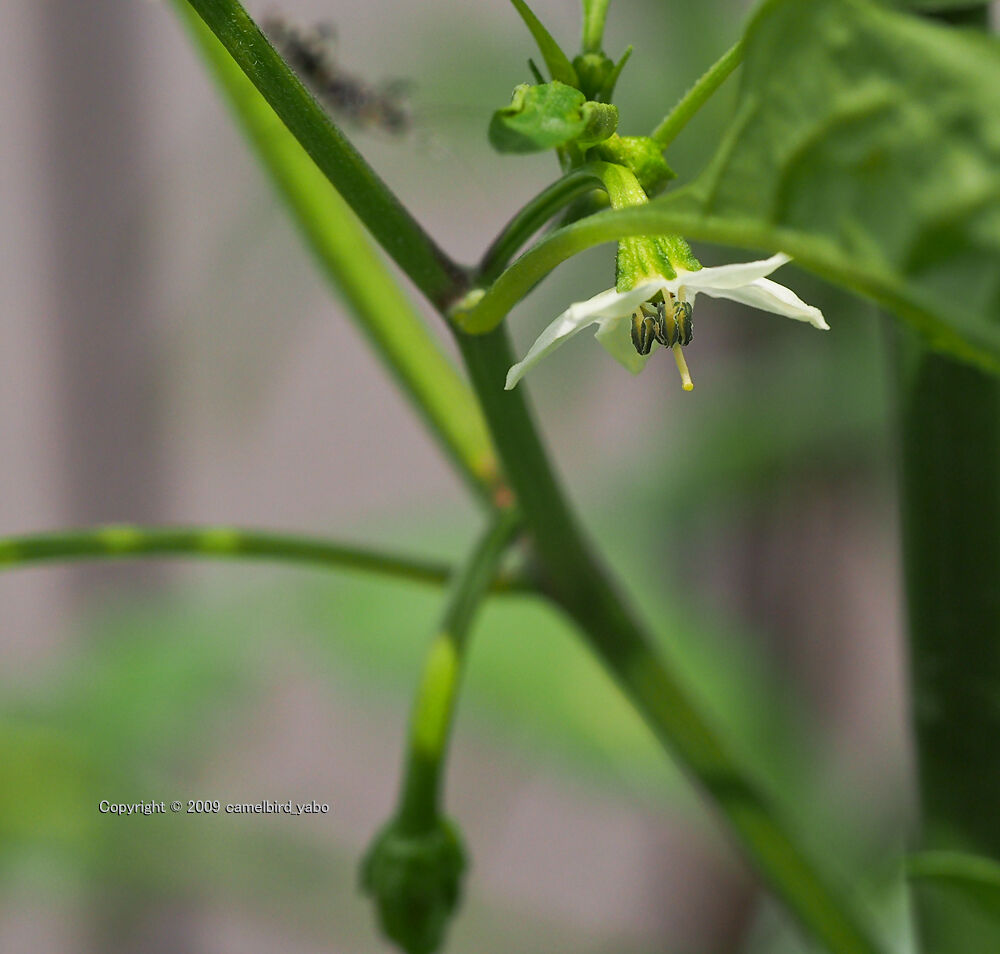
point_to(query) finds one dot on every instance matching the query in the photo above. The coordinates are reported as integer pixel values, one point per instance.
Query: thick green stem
(434, 708)
(949, 416)
(697, 96)
(581, 586)
(372, 201)
(950, 491)
(380, 308)
(123, 541)
(950, 488)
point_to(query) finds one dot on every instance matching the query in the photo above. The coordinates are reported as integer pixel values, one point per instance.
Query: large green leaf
(872, 139)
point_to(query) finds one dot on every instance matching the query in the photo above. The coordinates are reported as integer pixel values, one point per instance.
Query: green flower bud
(598, 74)
(601, 122)
(593, 71)
(415, 881)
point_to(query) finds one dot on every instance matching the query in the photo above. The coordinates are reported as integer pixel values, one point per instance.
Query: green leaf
(547, 116)
(383, 312)
(871, 140)
(555, 59)
(971, 877)
(608, 90)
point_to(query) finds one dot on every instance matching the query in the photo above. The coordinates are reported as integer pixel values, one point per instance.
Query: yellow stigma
(682, 366)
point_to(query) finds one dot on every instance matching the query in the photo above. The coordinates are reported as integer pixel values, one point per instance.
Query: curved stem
(974, 342)
(531, 217)
(581, 586)
(657, 217)
(124, 541)
(434, 706)
(620, 184)
(697, 96)
(372, 201)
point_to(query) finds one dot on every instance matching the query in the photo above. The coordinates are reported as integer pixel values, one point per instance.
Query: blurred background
(168, 354)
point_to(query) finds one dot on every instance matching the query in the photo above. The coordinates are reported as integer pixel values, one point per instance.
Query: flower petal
(770, 296)
(615, 334)
(608, 306)
(730, 276)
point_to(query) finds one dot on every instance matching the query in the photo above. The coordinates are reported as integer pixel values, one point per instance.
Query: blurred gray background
(168, 354)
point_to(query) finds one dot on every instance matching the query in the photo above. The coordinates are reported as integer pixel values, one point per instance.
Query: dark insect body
(310, 53)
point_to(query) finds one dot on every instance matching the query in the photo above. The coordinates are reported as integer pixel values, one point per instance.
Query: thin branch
(434, 705)
(529, 219)
(697, 96)
(125, 541)
(595, 12)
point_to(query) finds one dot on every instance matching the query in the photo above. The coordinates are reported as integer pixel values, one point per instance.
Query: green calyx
(415, 881)
(641, 156)
(549, 116)
(640, 259)
(645, 257)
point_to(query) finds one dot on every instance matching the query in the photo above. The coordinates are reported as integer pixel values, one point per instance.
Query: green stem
(581, 586)
(697, 96)
(381, 310)
(595, 13)
(372, 201)
(434, 707)
(950, 491)
(124, 541)
(949, 419)
(529, 219)
(623, 191)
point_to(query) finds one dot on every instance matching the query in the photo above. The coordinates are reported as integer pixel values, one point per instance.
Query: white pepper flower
(657, 310)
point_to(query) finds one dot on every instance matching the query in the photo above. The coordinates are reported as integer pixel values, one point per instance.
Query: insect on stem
(310, 52)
